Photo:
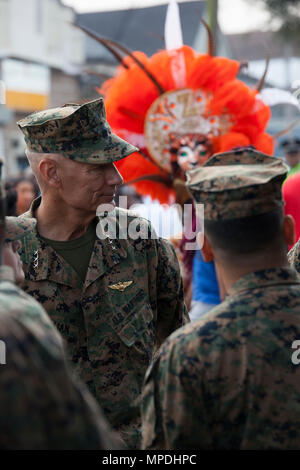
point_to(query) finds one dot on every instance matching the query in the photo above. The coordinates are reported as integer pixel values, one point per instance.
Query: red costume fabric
(291, 196)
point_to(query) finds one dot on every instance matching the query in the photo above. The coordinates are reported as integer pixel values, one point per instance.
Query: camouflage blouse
(42, 407)
(228, 381)
(130, 302)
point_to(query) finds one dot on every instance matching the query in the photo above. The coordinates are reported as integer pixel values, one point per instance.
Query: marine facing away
(227, 381)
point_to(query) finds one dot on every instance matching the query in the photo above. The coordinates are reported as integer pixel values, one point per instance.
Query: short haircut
(248, 234)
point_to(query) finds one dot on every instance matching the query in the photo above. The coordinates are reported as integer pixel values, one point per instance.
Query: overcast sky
(235, 16)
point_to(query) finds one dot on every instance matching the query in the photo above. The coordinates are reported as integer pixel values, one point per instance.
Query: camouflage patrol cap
(17, 227)
(79, 132)
(238, 184)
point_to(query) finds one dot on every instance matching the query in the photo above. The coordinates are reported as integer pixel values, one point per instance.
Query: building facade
(41, 56)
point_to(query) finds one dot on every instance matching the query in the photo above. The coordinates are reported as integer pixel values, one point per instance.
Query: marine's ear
(289, 229)
(48, 170)
(206, 250)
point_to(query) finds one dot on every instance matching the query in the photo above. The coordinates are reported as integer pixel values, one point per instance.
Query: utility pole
(212, 16)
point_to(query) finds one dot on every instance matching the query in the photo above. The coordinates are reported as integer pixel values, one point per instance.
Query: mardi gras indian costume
(179, 107)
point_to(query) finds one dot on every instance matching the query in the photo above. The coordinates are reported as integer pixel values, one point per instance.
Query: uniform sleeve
(171, 310)
(174, 416)
(42, 406)
(294, 256)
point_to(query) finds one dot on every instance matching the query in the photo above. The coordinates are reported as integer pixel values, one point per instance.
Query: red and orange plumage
(129, 95)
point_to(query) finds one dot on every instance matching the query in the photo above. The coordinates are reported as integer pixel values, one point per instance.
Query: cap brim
(17, 227)
(101, 152)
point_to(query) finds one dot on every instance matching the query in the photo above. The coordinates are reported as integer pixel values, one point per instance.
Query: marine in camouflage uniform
(227, 381)
(42, 406)
(131, 298)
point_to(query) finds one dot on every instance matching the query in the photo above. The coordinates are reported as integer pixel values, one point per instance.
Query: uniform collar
(47, 264)
(264, 278)
(34, 205)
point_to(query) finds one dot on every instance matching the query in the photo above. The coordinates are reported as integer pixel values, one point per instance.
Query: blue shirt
(205, 284)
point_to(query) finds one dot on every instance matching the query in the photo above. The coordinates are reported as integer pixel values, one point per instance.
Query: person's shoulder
(9, 287)
(29, 240)
(124, 217)
(197, 347)
(226, 324)
(10, 292)
(24, 308)
(139, 230)
(24, 336)
(192, 337)
(131, 216)
(26, 215)
(30, 222)
(294, 256)
(207, 333)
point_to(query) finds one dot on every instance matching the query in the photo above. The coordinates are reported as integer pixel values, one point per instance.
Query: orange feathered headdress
(140, 80)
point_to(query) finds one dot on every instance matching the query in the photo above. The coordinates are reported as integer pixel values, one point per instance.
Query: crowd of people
(100, 349)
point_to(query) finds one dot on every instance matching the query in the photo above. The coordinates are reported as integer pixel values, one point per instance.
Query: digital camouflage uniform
(42, 407)
(227, 381)
(131, 300)
(78, 132)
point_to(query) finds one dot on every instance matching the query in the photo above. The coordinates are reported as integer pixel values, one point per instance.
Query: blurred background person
(291, 148)
(21, 191)
(11, 199)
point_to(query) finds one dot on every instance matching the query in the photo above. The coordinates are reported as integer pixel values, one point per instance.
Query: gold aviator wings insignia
(121, 285)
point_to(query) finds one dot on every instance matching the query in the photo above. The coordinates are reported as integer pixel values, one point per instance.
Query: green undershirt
(77, 252)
